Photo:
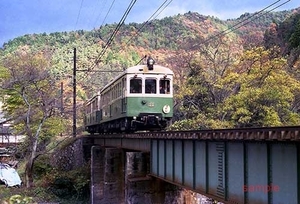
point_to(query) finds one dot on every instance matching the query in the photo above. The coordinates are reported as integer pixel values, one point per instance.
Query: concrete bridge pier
(114, 176)
(138, 187)
(142, 188)
(107, 175)
(97, 174)
(123, 178)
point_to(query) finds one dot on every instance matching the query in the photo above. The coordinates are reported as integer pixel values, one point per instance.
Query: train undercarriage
(154, 122)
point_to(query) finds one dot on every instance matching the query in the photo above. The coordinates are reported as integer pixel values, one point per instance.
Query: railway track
(288, 133)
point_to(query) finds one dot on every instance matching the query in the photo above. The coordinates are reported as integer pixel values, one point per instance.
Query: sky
(20, 17)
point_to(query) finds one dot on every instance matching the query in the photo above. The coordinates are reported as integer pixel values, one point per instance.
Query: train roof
(144, 69)
(141, 69)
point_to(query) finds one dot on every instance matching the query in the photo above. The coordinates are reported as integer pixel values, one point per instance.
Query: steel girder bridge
(251, 165)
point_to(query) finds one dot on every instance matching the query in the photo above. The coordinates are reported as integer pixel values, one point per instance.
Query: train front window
(164, 86)
(135, 85)
(150, 86)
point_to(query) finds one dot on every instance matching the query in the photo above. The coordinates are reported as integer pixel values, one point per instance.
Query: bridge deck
(253, 165)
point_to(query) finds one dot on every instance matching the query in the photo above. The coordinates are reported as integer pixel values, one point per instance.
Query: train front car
(141, 98)
(149, 96)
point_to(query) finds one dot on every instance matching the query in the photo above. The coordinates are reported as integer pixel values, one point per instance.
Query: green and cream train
(141, 98)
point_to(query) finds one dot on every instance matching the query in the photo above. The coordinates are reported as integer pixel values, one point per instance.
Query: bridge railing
(290, 133)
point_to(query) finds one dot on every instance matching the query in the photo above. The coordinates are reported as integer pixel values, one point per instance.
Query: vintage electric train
(141, 98)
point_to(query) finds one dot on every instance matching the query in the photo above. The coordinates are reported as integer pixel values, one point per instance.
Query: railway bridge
(239, 166)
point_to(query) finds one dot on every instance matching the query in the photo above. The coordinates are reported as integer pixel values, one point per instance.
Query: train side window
(119, 89)
(164, 86)
(124, 87)
(150, 86)
(94, 105)
(88, 108)
(135, 85)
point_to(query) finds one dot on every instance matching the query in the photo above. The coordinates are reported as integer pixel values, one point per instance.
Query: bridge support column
(137, 183)
(107, 175)
(97, 174)
(114, 176)
(141, 188)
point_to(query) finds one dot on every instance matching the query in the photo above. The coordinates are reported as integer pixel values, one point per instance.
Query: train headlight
(150, 63)
(166, 109)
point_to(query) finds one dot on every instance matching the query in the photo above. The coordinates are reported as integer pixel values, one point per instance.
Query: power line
(96, 8)
(110, 40)
(115, 31)
(256, 13)
(78, 14)
(108, 43)
(151, 18)
(240, 24)
(261, 15)
(108, 12)
(87, 70)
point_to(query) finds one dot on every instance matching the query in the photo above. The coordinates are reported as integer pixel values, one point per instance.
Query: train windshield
(135, 85)
(164, 86)
(150, 86)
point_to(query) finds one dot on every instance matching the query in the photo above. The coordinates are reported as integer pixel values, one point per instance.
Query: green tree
(206, 88)
(29, 94)
(266, 92)
(295, 37)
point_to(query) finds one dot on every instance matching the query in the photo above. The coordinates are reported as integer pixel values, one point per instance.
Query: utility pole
(61, 98)
(61, 102)
(74, 95)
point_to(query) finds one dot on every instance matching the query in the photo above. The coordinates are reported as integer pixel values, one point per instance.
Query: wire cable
(151, 18)
(110, 40)
(113, 2)
(78, 14)
(247, 21)
(98, 14)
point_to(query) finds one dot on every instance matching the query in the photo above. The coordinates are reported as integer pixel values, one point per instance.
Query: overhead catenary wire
(98, 10)
(110, 40)
(78, 14)
(261, 15)
(246, 21)
(104, 19)
(231, 29)
(108, 43)
(151, 18)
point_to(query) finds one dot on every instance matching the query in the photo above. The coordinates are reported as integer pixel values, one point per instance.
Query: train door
(99, 110)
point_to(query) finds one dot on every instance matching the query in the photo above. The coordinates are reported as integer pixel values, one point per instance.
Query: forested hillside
(236, 73)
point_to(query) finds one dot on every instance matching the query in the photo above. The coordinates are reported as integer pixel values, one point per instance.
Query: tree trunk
(29, 174)
(32, 157)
